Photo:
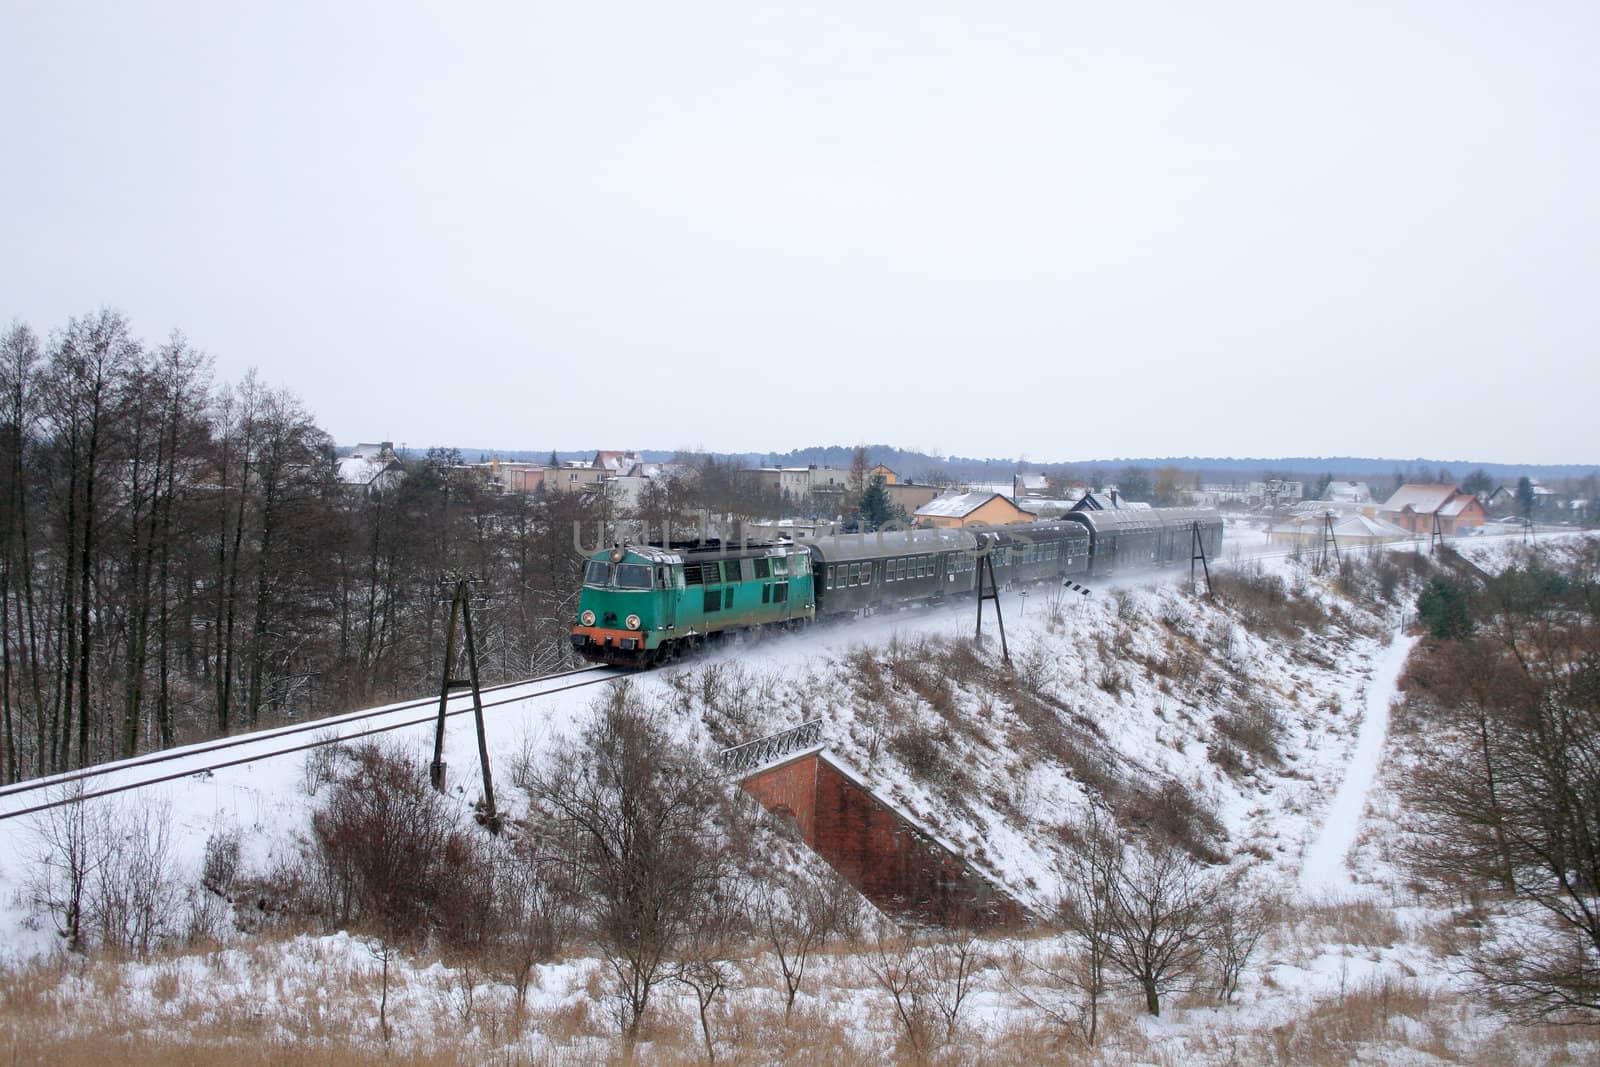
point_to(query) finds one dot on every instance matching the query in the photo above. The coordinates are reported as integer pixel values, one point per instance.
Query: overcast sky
(1060, 230)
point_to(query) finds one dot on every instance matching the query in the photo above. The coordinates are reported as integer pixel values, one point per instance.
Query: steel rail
(273, 733)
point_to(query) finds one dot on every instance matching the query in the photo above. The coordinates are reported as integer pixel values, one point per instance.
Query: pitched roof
(1422, 499)
(616, 462)
(362, 470)
(957, 506)
(1353, 492)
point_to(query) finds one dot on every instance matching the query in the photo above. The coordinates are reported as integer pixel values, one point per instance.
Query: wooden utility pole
(1330, 543)
(461, 609)
(1197, 554)
(1436, 538)
(986, 563)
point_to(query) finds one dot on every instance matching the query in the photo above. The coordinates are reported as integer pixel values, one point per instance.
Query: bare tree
(1084, 910)
(796, 917)
(895, 964)
(1508, 801)
(953, 969)
(1160, 902)
(705, 963)
(639, 814)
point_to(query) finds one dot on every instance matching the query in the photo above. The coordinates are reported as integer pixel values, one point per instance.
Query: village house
(964, 509)
(370, 468)
(1414, 508)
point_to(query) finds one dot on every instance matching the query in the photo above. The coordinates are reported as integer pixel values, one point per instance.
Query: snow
(1323, 871)
(1311, 825)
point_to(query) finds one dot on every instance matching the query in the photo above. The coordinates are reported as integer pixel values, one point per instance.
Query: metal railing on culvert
(763, 750)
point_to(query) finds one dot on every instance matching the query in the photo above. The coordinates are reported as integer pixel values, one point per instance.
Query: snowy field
(1142, 669)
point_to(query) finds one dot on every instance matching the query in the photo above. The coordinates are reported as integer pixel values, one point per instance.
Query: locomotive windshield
(622, 576)
(633, 576)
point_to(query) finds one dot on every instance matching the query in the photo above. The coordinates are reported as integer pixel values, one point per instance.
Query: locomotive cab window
(633, 576)
(780, 592)
(763, 567)
(597, 573)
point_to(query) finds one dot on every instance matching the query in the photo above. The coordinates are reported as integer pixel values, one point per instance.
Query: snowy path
(1324, 872)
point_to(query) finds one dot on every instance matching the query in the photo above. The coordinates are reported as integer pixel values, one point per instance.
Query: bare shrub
(1172, 814)
(705, 963)
(389, 852)
(135, 897)
(1253, 728)
(1239, 920)
(538, 913)
(220, 866)
(69, 851)
(107, 876)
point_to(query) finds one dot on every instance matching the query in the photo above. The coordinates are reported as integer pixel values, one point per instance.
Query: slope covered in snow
(1249, 728)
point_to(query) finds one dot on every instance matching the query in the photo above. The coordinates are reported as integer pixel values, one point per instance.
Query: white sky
(1063, 230)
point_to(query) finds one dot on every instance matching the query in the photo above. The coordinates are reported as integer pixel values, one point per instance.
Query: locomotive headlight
(632, 621)
(587, 618)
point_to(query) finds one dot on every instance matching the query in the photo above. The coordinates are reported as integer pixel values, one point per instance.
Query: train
(641, 605)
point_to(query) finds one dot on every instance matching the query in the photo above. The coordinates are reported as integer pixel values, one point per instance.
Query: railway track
(107, 779)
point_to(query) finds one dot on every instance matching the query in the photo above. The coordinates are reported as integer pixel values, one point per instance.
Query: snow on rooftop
(958, 506)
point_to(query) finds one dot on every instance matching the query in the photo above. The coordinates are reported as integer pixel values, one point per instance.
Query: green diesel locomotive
(642, 604)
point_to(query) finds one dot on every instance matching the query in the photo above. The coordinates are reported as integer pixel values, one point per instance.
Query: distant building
(616, 463)
(791, 483)
(909, 496)
(1350, 530)
(1029, 485)
(370, 468)
(1414, 507)
(880, 471)
(1348, 493)
(963, 509)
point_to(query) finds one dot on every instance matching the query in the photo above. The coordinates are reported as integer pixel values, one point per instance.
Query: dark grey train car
(861, 572)
(1039, 552)
(1126, 539)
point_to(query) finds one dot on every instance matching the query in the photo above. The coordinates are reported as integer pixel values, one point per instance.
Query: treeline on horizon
(933, 468)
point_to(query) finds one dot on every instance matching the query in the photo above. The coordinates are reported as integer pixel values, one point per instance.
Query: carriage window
(766, 594)
(763, 569)
(780, 592)
(855, 574)
(727, 598)
(732, 570)
(713, 601)
(830, 577)
(633, 576)
(597, 573)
